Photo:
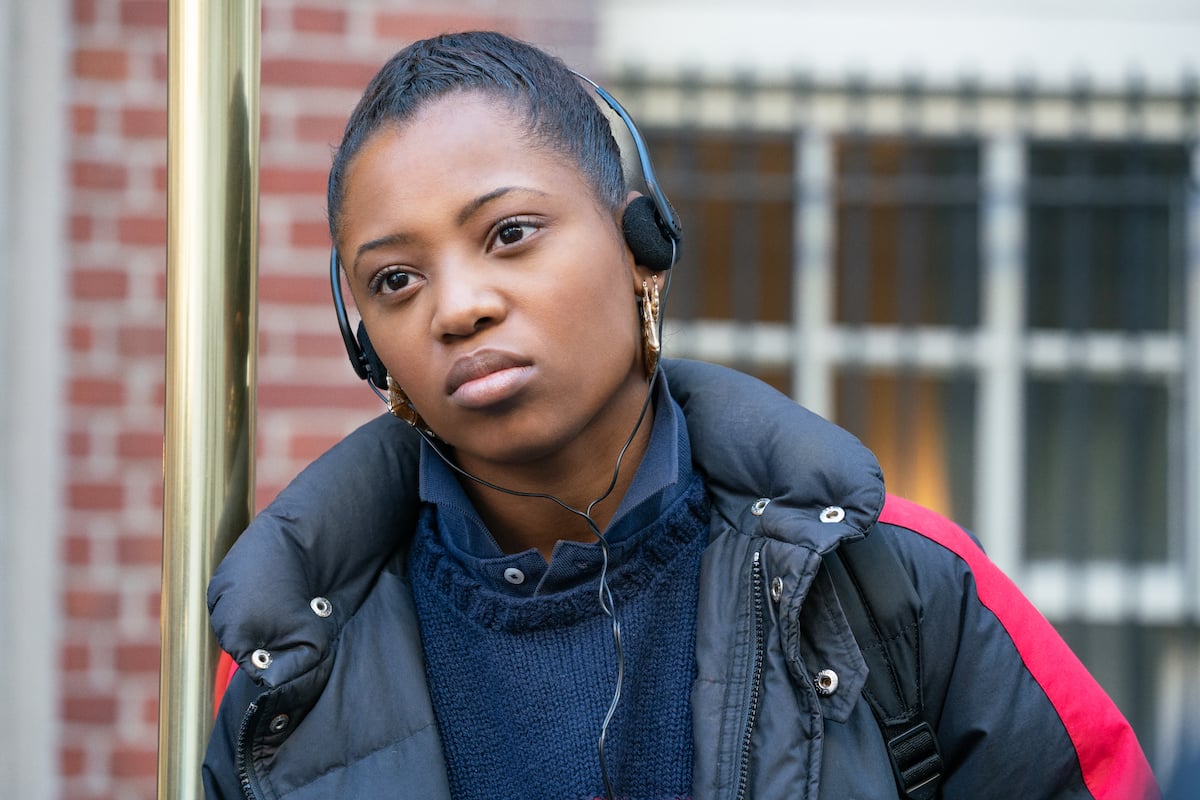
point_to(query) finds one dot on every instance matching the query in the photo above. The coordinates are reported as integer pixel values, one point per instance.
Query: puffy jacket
(330, 699)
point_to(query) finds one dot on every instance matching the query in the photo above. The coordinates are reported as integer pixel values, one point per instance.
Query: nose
(468, 301)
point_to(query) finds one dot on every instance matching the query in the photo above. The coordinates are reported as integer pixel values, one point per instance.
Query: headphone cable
(607, 602)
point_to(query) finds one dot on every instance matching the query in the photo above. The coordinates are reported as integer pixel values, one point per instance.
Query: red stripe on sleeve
(226, 667)
(1113, 764)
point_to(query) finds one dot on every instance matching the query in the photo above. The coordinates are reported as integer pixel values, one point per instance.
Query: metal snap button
(321, 606)
(279, 723)
(514, 576)
(760, 505)
(826, 682)
(776, 588)
(261, 659)
(833, 514)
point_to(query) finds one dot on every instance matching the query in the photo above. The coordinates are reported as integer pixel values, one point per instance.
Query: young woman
(572, 572)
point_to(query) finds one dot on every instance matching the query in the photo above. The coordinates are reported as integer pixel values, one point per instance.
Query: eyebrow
(481, 201)
(464, 214)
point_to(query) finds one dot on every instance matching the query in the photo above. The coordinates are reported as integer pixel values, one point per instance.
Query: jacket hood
(771, 465)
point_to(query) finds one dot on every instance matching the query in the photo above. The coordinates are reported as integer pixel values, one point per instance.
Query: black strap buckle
(917, 762)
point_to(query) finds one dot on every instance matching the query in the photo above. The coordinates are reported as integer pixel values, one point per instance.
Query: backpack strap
(884, 612)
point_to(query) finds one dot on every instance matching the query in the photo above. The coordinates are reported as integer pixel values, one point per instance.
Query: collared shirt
(665, 472)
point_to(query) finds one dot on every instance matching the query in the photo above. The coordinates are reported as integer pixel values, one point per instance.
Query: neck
(577, 478)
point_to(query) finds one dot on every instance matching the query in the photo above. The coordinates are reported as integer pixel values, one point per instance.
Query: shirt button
(514, 576)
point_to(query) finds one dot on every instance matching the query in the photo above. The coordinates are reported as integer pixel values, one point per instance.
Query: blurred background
(969, 232)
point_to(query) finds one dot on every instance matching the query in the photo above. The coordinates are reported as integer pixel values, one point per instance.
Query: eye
(391, 282)
(512, 231)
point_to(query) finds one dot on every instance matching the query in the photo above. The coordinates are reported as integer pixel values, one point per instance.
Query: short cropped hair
(561, 114)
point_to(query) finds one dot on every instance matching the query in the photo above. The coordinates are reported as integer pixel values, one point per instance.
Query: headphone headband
(668, 220)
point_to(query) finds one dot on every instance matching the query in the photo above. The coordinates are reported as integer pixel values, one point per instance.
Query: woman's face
(496, 289)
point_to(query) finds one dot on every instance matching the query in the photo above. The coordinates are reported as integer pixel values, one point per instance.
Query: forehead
(452, 149)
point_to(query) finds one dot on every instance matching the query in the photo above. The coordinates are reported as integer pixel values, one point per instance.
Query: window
(992, 291)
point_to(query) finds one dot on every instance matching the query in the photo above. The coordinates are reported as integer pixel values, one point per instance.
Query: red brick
(150, 711)
(142, 230)
(309, 234)
(129, 761)
(78, 444)
(141, 341)
(139, 551)
(154, 497)
(286, 180)
(80, 228)
(346, 394)
(90, 709)
(91, 604)
(154, 605)
(75, 657)
(410, 26)
(312, 73)
(77, 550)
(306, 447)
(80, 338)
(96, 392)
(95, 175)
(323, 128)
(264, 493)
(144, 123)
(161, 178)
(144, 13)
(140, 445)
(71, 761)
(324, 344)
(83, 119)
(83, 12)
(96, 496)
(100, 284)
(292, 289)
(106, 65)
(137, 658)
(318, 20)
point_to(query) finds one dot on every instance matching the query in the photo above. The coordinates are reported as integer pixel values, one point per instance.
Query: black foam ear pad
(651, 247)
(376, 371)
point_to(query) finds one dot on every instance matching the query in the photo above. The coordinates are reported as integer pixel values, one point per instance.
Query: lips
(486, 375)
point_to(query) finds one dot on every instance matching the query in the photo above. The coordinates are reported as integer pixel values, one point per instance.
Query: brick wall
(316, 56)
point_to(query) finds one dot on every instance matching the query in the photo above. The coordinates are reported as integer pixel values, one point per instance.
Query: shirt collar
(665, 470)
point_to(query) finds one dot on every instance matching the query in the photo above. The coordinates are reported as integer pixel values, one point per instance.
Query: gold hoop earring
(400, 406)
(651, 346)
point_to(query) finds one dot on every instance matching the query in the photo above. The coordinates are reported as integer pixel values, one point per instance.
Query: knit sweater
(520, 685)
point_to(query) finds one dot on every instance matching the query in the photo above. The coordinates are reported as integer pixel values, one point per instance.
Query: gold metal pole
(212, 331)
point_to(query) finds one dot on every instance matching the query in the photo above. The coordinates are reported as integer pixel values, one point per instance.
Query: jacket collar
(330, 532)
(807, 481)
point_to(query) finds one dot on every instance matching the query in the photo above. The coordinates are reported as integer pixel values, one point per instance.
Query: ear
(646, 238)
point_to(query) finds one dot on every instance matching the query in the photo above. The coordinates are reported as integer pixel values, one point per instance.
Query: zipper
(760, 646)
(243, 752)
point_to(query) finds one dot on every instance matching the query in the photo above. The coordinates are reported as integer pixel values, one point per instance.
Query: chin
(502, 444)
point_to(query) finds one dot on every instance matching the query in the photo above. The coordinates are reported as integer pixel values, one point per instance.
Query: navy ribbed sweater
(520, 685)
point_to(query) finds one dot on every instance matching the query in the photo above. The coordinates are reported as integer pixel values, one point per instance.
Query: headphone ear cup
(376, 371)
(651, 246)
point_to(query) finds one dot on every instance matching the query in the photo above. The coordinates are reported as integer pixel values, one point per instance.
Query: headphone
(652, 230)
